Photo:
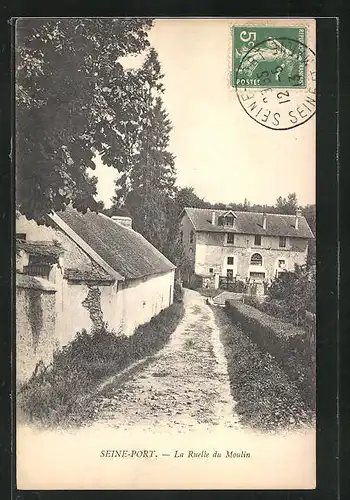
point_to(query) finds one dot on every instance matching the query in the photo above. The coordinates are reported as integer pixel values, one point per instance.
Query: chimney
(297, 217)
(213, 218)
(264, 224)
(123, 220)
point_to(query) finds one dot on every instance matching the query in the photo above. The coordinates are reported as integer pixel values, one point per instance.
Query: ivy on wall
(35, 315)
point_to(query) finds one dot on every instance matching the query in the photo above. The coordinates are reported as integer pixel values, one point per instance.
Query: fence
(232, 284)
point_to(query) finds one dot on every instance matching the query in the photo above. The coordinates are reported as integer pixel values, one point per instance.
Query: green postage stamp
(269, 57)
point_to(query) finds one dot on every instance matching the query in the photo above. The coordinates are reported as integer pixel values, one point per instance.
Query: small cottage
(82, 271)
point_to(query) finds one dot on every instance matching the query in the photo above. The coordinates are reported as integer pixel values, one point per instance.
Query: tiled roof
(26, 281)
(42, 248)
(91, 275)
(123, 249)
(250, 223)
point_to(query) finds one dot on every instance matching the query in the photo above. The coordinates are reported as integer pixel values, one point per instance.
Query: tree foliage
(287, 205)
(146, 186)
(296, 291)
(73, 98)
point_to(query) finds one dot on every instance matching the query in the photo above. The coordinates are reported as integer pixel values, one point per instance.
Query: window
(191, 236)
(226, 220)
(229, 274)
(229, 220)
(181, 236)
(38, 266)
(257, 240)
(231, 238)
(211, 270)
(283, 241)
(281, 263)
(21, 236)
(230, 261)
(256, 260)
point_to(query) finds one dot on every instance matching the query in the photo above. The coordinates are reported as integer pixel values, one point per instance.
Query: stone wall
(35, 330)
(212, 253)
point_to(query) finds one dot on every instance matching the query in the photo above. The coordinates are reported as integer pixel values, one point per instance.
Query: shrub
(239, 286)
(195, 282)
(264, 395)
(52, 396)
(296, 291)
(272, 307)
(284, 341)
(178, 292)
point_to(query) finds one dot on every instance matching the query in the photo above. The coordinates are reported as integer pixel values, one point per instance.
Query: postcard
(165, 253)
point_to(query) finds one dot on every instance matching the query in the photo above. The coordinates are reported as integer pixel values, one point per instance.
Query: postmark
(276, 83)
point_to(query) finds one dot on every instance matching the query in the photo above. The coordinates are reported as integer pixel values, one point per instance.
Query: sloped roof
(42, 248)
(123, 249)
(250, 223)
(86, 275)
(26, 281)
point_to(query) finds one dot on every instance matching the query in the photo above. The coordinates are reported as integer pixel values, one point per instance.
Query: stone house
(80, 271)
(246, 246)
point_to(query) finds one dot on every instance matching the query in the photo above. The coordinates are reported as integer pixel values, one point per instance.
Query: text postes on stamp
(293, 101)
(278, 65)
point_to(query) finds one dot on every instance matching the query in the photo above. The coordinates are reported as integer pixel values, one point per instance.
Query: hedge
(285, 341)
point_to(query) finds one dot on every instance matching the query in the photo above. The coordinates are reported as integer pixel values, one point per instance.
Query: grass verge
(284, 341)
(53, 396)
(267, 399)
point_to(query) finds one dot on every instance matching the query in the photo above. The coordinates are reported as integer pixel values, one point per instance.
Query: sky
(220, 151)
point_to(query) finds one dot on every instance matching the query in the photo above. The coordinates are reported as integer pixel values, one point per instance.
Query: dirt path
(185, 386)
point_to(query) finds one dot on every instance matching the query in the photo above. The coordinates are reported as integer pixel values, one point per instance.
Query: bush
(195, 282)
(276, 308)
(178, 292)
(265, 397)
(284, 341)
(53, 395)
(296, 291)
(239, 287)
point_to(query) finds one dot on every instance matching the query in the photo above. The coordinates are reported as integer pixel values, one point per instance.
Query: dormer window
(227, 219)
(42, 255)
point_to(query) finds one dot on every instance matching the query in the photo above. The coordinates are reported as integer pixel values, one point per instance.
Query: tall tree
(186, 197)
(147, 181)
(309, 211)
(73, 98)
(287, 205)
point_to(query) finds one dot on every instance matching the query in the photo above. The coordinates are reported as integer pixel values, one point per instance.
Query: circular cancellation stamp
(276, 83)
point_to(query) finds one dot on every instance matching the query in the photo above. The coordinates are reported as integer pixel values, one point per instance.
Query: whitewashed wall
(124, 305)
(212, 252)
(136, 301)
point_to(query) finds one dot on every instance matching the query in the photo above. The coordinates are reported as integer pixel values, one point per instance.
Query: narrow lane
(185, 386)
